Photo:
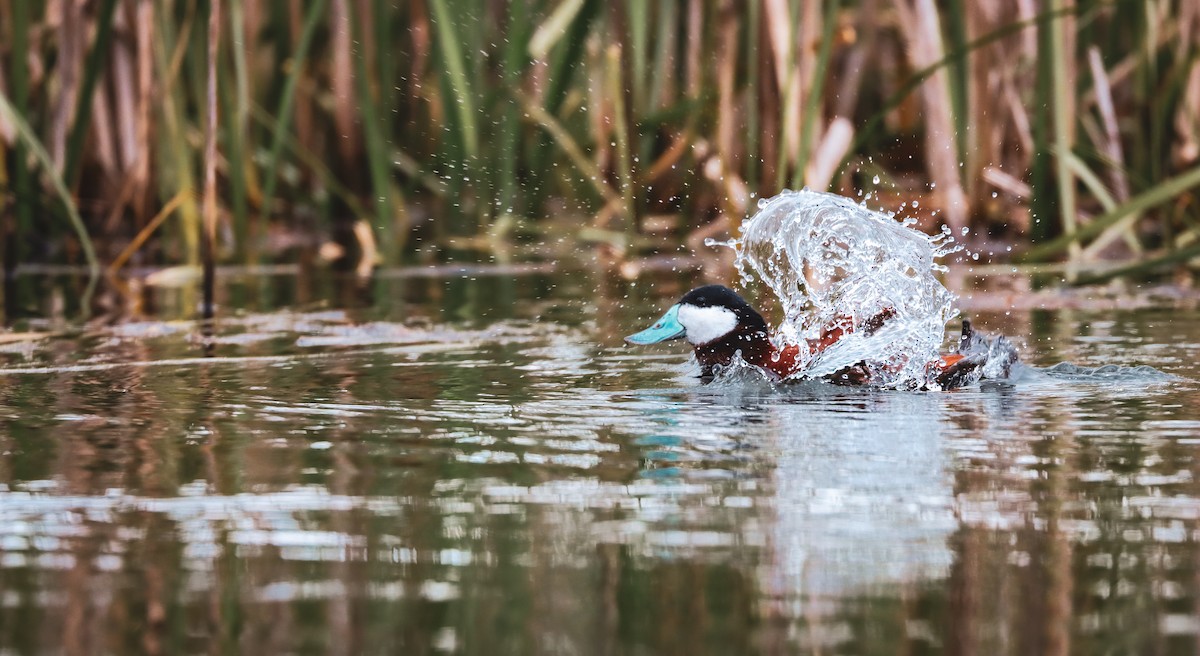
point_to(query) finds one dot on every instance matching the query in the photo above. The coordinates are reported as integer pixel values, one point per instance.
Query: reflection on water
(404, 480)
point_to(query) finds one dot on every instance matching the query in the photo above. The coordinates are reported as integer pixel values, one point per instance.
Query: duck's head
(714, 320)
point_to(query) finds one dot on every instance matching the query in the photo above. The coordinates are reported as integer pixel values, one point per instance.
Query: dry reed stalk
(1111, 144)
(922, 31)
(1006, 182)
(419, 32)
(209, 240)
(787, 80)
(345, 112)
(1063, 112)
(304, 116)
(105, 146)
(726, 62)
(865, 35)
(133, 108)
(829, 153)
(770, 115)
(1019, 117)
(980, 139)
(8, 134)
(670, 157)
(123, 76)
(814, 88)
(808, 35)
(72, 39)
(368, 249)
(1187, 119)
(695, 44)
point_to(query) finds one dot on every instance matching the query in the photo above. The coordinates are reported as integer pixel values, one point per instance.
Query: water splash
(830, 262)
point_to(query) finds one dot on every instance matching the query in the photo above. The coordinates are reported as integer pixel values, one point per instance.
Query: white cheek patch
(706, 324)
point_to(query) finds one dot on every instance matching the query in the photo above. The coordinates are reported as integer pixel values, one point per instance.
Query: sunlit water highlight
(328, 481)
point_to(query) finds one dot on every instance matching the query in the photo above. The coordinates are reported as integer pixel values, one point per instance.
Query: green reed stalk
(641, 74)
(563, 139)
(1168, 91)
(233, 139)
(178, 161)
(639, 13)
(237, 112)
(664, 55)
(1178, 256)
(314, 162)
(812, 110)
(22, 180)
(316, 9)
(639, 47)
(386, 65)
(794, 13)
(616, 92)
(513, 63)
(958, 78)
(1108, 203)
(567, 54)
(452, 46)
(1159, 194)
(27, 135)
(83, 103)
(377, 158)
(1041, 179)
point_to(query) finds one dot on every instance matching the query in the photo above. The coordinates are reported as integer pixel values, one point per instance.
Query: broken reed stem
(145, 232)
(568, 145)
(209, 237)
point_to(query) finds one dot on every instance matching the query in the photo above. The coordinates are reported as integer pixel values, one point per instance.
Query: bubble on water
(829, 260)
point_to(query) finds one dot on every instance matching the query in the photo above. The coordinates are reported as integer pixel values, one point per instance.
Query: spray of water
(831, 261)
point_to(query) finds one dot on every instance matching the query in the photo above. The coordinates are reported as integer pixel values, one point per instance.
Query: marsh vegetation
(431, 130)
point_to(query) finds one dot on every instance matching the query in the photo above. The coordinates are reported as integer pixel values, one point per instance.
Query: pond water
(476, 464)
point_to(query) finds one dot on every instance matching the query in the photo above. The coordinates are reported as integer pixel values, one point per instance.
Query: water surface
(477, 465)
